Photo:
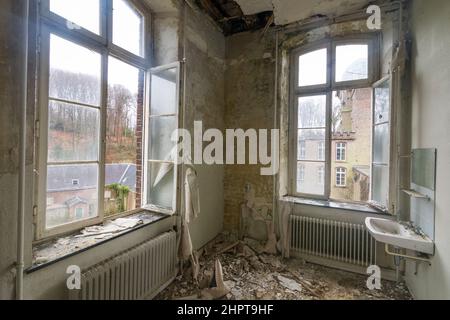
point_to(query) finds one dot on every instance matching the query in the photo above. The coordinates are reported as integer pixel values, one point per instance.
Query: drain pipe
(22, 171)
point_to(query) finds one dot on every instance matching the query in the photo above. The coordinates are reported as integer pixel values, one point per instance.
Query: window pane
(85, 13)
(123, 140)
(351, 144)
(381, 185)
(381, 144)
(161, 129)
(73, 133)
(127, 27)
(65, 198)
(382, 103)
(313, 68)
(161, 184)
(309, 141)
(75, 72)
(352, 62)
(312, 112)
(311, 184)
(164, 93)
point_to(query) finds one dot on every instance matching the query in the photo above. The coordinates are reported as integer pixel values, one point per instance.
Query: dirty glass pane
(312, 112)
(161, 184)
(73, 133)
(72, 194)
(310, 178)
(313, 68)
(164, 92)
(382, 103)
(128, 28)
(84, 13)
(381, 143)
(380, 192)
(309, 143)
(352, 62)
(161, 130)
(122, 146)
(75, 72)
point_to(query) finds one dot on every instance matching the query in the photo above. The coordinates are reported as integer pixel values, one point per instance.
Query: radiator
(134, 274)
(334, 240)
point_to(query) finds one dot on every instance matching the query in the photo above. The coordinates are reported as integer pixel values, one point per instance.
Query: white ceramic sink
(399, 235)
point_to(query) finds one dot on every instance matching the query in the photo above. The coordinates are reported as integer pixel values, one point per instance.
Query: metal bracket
(417, 259)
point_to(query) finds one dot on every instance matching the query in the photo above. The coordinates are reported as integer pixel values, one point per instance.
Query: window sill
(65, 247)
(356, 207)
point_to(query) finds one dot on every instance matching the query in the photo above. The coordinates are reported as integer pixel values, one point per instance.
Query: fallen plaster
(250, 274)
(88, 237)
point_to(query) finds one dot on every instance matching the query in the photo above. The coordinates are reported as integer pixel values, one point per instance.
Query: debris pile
(251, 274)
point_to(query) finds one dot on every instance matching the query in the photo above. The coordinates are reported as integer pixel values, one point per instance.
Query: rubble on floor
(250, 274)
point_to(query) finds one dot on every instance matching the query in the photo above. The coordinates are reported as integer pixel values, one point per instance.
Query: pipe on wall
(20, 264)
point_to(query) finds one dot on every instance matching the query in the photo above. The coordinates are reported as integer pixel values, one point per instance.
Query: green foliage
(121, 192)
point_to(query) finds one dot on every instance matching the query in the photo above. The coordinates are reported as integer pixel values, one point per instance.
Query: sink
(399, 235)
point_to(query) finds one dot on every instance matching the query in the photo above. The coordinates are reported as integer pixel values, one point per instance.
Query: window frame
(51, 23)
(341, 146)
(339, 172)
(373, 42)
(146, 141)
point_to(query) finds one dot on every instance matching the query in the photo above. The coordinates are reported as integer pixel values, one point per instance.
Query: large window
(331, 118)
(93, 64)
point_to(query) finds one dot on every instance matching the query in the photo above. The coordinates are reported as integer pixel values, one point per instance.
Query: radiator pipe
(20, 265)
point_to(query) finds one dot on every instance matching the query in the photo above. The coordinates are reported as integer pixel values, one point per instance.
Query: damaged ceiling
(245, 15)
(230, 17)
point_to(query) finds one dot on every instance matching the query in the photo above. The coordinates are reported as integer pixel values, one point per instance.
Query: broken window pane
(75, 72)
(73, 133)
(128, 28)
(161, 184)
(352, 62)
(84, 13)
(69, 202)
(313, 68)
(161, 130)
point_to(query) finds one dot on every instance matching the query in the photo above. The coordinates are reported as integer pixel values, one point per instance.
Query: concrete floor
(253, 276)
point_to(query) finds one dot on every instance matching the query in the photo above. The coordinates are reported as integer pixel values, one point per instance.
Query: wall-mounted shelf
(415, 194)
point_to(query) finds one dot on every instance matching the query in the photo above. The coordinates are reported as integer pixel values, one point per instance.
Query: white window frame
(341, 177)
(147, 141)
(51, 23)
(341, 149)
(373, 42)
(321, 151)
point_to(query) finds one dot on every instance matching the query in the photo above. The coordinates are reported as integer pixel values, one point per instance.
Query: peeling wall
(205, 101)
(249, 92)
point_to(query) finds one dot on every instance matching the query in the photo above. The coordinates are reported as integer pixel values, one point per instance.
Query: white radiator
(134, 274)
(334, 240)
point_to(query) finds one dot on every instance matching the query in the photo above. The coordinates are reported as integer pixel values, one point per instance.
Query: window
(340, 151)
(321, 151)
(331, 103)
(341, 177)
(321, 176)
(91, 126)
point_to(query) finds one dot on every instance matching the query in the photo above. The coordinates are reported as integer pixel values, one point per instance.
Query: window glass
(75, 72)
(308, 185)
(67, 198)
(313, 68)
(123, 129)
(128, 27)
(341, 176)
(84, 13)
(352, 62)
